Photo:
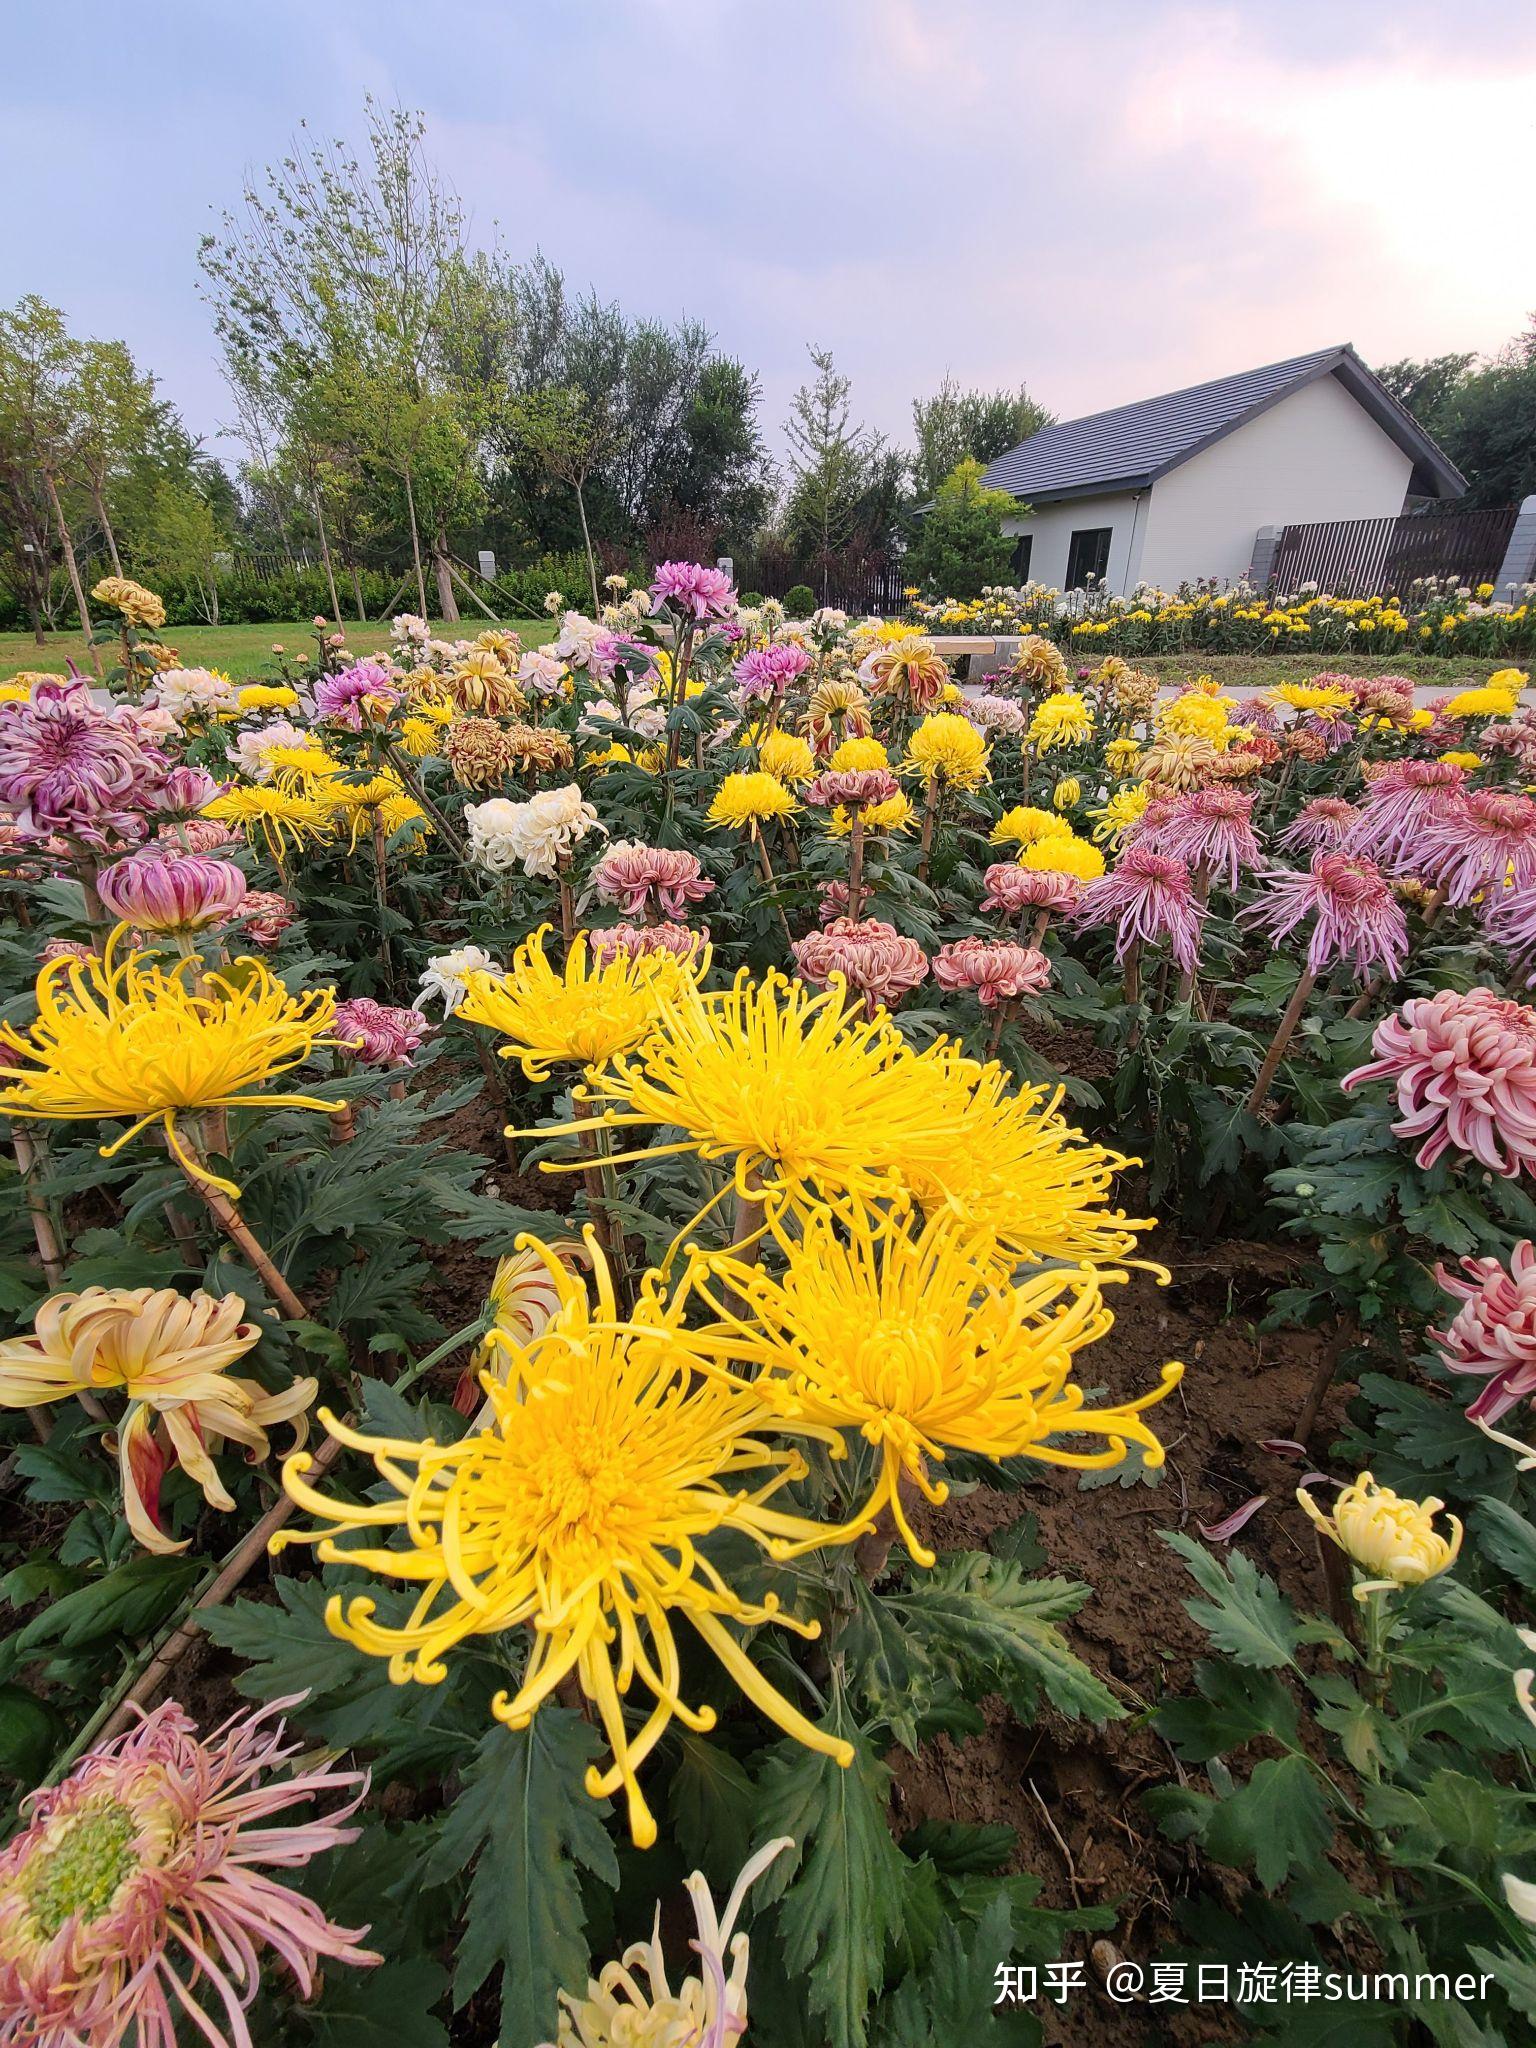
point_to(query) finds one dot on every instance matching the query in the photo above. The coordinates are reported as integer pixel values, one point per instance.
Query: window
(1088, 556)
(1022, 549)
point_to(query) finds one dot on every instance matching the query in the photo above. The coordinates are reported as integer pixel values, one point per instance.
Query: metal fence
(1386, 557)
(856, 587)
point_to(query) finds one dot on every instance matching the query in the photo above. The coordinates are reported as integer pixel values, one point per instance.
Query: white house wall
(1315, 455)
(1052, 528)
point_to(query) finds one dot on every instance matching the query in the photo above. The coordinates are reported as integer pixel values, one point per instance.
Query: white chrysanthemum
(578, 636)
(540, 674)
(188, 691)
(533, 835)
(253, 748)
(445, 976)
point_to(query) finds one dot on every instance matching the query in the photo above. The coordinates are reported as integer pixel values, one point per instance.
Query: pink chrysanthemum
(852, 788)
(1319, 827)
(1404, 801)
(872, 957)
(1358, 918)
(1016, 890)
(995, 969)
(68, 764)
(1147, 896)
(996, 715)
(339, 698)
(170, 893)
(377, 1034)
(1509, 919)
(1210, 829)
(702, 593)
(185, 791)
(1494, 1334)
(136, 1885)
(629, 871)
(682, 941)
(1488, 841)
(197, 835)
(1464, 1069)
(769, 671)
(265, 915)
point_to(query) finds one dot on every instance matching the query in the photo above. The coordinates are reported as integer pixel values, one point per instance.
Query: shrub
(799, 601)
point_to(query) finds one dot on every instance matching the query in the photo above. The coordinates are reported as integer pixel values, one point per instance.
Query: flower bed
(583, 1243)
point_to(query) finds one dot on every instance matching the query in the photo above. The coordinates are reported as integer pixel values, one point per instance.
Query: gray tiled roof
(1132, 445)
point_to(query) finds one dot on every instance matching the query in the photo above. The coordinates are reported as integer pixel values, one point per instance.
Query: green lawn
(241, 651)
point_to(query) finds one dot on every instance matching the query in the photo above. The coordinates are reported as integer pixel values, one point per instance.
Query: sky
(1100, 202)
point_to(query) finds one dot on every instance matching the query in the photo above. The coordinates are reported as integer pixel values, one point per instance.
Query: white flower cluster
(193, 692)
(532, 835)
(446, 976)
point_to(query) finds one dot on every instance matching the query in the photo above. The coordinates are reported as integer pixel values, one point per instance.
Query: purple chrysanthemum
(1488, 841)
(1358, 919)
(767, 672)
(1210, 829)
(1404, 801)
(1319, 827)
(701, 593)
(71, 765)
(1147, 896)
(340, 697)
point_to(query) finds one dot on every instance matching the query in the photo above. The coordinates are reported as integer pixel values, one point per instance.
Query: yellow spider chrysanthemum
(1068, 791)
(898, 813)
(1062, 719)
(949, 746)
(1007, 1161)
(282, 817)
(300, 767)
(169, 1353)
(862, 751)
(918, 1340)
(803, 1095)
(617, 1449)
(747, 797)
(787, 757)
(353, 800)
(123, 1038)
(1064, 855)
(578, 1012)
(420, 737)
(1115, 816)
(1026, 823)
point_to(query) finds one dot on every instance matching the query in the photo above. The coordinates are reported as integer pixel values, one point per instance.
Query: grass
(242, 651)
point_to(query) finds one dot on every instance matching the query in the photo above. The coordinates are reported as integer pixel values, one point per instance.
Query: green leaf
(1516, 1976)
(846, 1878)
(891, 1671)
(712, 1805)
(952, 1999)
(961, 1848)
(286, 1644)
(131, 1601)
(389, 2007)
(525, 1819)
(30, 1732)
(1246, 1615)
(1504, 1535)
(1235, 1707)
(1450, 1812)
(981, 1614)
(1278, 1822)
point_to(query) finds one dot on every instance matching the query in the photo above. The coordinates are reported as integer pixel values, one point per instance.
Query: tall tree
(954, 424)
(1427, 388)
(1489, 426)
(39, 418)
(829, 460)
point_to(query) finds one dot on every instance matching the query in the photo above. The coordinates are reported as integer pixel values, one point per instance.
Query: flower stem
(930, 820)
(855, 862)
(1280, 1041)
(244, 1239)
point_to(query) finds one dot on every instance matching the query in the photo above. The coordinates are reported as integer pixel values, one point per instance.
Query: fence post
(1266, 545)
(1519, 566)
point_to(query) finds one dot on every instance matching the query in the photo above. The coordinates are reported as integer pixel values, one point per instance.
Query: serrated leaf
(1278, 1822)
(712, 1804)
(952, 1999)
(387, 2007)
(982, 1614)
(286, 1645)
(1504, 1535)
(1449, 1812)
(1246, 1615)
(961, 1848)
(524, 1818)
(891, 1673)
(842, 1886)
(1516, 1976)
(1235, 1706)
(130, 1601)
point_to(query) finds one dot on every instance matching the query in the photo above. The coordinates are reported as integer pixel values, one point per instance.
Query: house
(1176, 488)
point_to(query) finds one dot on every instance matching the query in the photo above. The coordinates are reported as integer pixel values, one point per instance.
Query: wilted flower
(1387, 1535)
(699, 592)
(536, 834)
(629, 873)
(1358, 918)
(477, 753)
(265, 914)
(1494, 1333)
(377, 1033)
(538, 748)
(995, 969)
(1320, 826)
(171, 893)
(138, 1883)
(836, 710)
(1463, 1066)
(1486, 841)
(1147, 896)
(1039, 664)
(872, 957)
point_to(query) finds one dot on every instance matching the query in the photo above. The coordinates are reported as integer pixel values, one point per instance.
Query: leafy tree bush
(800, 601)
(961, 546)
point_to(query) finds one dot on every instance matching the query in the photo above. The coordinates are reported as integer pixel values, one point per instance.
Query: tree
(1427, 388)
(830, 461)
(39, 418)
(961, 546)
(1489, 426)
(568, 436)
(113, 406)
(954, 424)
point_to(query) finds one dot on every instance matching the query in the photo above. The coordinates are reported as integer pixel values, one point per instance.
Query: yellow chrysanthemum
(577, 1012)
(1311, 696)
(837, 709)
(169, 1354)
(140, 607)
(1387, 1535)
(749, 796)
(949, 746)
(863, 751)
(266, 697)
(354, 798)
(1193, 715)
(1064, 855)
(803, 1095)
(302, 765)
(787, 757)
(917, 1339)
(1512, 680)
(1007, 1161)
(1068, 791)
(482, 685)
(898, 813)
(123, 1038)
(282, 817)
(1462, 757)
(1115, 816)
(1026, 823)
(618, 1448)
(1062, 719)
(1488, 702)
(420, 737)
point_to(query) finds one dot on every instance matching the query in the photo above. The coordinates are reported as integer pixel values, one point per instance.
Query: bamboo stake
(1280, 1041)
(240, 1234)
(855, 861)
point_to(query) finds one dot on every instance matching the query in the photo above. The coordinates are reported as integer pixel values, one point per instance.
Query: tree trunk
(106, 527)
(586, 535)
(73, 566)
(448, 604)
(357, 595)
(410, 506)
(325, 553)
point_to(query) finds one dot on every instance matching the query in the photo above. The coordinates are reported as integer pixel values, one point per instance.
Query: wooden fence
(1386, 557)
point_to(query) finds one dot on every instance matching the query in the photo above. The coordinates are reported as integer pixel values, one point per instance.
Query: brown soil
(1069, 1789)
